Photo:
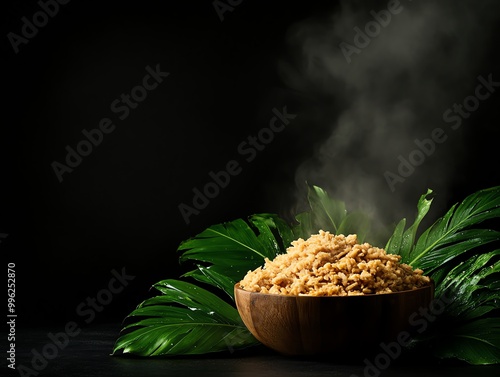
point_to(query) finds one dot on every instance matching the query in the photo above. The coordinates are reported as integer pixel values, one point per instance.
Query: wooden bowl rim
(430, 286)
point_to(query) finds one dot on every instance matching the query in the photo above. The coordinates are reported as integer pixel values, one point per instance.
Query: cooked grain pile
(333, 265)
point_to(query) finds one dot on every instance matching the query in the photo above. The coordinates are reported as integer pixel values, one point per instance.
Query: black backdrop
(119, 207)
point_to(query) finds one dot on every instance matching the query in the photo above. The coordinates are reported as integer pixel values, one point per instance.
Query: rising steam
(395, 90)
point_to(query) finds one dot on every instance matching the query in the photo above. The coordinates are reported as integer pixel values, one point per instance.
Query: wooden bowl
(338, 325)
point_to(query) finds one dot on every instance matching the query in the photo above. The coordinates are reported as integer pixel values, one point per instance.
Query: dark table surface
(88, 354)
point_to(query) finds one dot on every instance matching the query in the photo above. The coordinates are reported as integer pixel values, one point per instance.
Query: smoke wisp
(385, 94)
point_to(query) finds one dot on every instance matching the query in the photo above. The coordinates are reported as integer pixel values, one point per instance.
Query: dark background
(119, 208)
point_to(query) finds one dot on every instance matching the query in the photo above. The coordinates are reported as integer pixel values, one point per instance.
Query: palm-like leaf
(234, 248)
(213, 275)
(449, 251)
(470, 288)
(185, 320)
(477, 342)
(402, 240)
(451, 235)
(330, 215)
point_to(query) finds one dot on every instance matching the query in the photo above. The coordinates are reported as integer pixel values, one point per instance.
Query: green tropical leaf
(185, 320)
(395, 242)
(273, 232)
(225, 244)
(477, 342)
(192, 297)
(402, 241)
(467, 285)
(214, 275)
(304, 227)
(274, 235)
(236, 247)
(455, 246)
(452, 251)
(355, 223)
(180, 332)
(447, 239)
(330, 215)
